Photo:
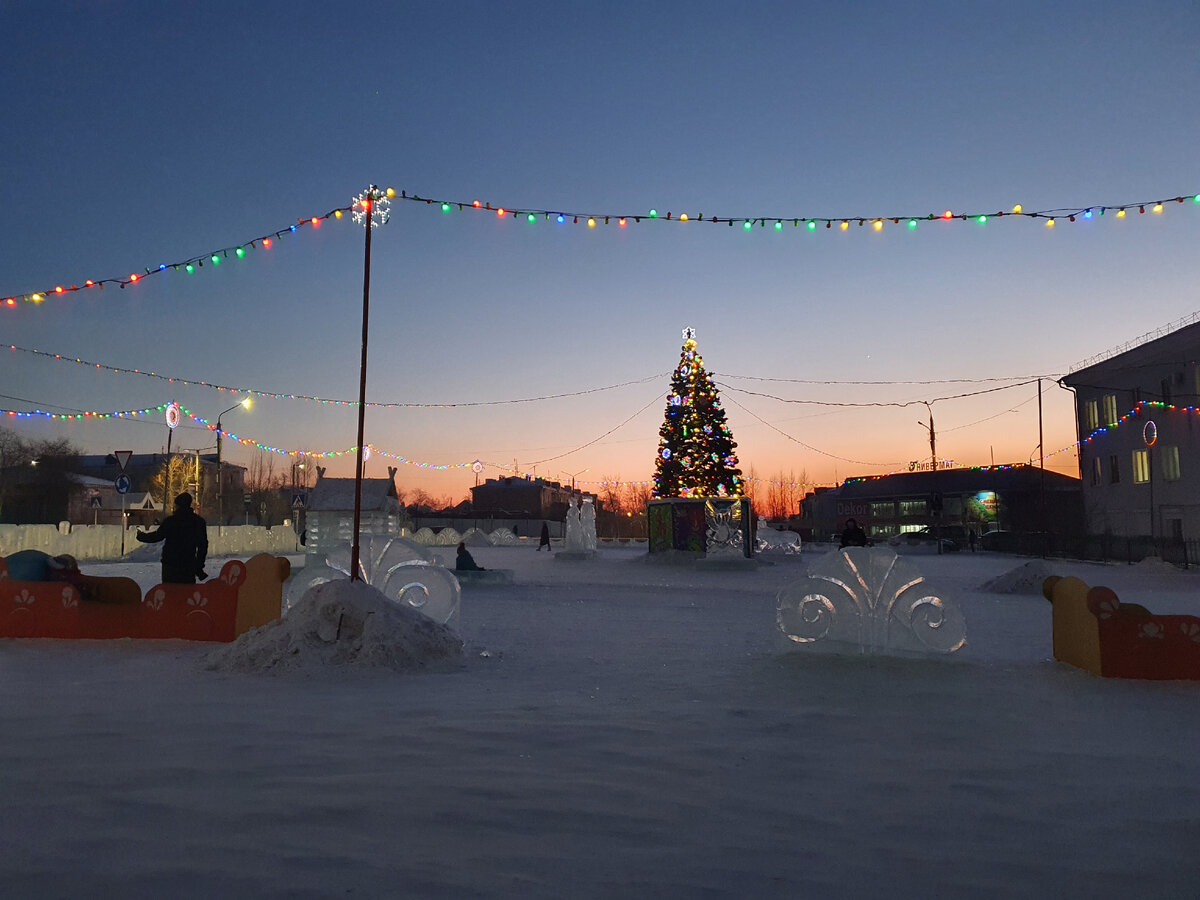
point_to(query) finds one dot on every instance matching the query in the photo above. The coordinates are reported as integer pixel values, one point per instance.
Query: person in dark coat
(185, 543)
(853, 535)
(465, 561)
(544, 540)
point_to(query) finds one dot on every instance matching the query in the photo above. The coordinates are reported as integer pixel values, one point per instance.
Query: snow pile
(1026, 579)
(341, 623)
(1155, 565)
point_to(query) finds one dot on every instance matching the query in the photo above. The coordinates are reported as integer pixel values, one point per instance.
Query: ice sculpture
(723, 528)
(869, 599)
(401, 569)
(588, 520)
(573, 534)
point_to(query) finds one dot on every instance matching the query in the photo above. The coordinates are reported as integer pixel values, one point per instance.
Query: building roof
(957, 481)
(1173, 343)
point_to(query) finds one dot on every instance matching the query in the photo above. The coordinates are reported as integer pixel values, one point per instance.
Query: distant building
(1021, 498)
(142, 468)
(526, 498)
(1139, 439)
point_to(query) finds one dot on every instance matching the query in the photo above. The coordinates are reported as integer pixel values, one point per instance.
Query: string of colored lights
(270, 395)
(811, 223)
(137, 414)
(532, 215)
(189, 265)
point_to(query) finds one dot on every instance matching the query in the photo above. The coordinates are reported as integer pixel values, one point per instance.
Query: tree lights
(696, 451)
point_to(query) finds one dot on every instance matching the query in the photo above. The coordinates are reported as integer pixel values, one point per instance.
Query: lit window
(1141, 466)
(1110, 409)
(1091, 416)
(1170, 463)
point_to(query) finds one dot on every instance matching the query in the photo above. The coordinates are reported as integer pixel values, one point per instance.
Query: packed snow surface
(614, 728)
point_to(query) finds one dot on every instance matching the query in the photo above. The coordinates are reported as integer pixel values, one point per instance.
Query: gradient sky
(139, 133)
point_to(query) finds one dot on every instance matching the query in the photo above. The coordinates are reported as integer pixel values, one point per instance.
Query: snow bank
(1026, 579)
(341, 623)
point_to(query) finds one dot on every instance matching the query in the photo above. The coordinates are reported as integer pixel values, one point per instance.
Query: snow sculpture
(573, 535)
(723, 528)
(401, 569)
(870, 599)
(588, 520)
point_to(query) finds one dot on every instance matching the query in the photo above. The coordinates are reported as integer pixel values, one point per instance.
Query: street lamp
(244, 404)
(572, 477)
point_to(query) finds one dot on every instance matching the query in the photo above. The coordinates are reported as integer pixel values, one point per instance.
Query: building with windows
(1018, 499)
(512, 497)
(1139, 438)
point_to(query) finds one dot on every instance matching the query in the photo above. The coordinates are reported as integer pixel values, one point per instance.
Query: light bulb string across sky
(592, 220)
(810, 222)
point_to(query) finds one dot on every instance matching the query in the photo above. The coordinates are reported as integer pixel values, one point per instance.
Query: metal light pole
(245, 404)
(371, 205)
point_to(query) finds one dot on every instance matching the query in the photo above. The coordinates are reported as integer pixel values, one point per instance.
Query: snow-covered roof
(338, 494)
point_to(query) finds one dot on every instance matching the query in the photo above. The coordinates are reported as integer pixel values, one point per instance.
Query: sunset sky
(139, 134)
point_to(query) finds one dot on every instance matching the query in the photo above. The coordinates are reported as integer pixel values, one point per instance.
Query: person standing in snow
(853, 535)
(185, 543)
(544, 540)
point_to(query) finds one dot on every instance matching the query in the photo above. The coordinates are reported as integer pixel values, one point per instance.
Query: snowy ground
(616, 729)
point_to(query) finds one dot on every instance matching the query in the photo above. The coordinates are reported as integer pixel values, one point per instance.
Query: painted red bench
(1096, 631)
(245, 595)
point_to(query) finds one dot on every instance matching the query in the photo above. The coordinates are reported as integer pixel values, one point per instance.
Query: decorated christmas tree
(696, 452)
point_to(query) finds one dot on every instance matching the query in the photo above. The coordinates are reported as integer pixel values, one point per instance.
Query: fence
(1097, 547)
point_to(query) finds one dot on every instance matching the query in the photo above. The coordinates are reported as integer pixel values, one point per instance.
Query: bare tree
(610, 495)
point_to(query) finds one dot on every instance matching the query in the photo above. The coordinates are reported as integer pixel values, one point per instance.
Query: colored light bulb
(812, 226)
(748, 225)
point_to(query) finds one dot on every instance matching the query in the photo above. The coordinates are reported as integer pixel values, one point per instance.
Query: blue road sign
(123, 484)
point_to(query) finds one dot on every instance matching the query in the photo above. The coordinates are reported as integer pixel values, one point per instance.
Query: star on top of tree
(689, 334)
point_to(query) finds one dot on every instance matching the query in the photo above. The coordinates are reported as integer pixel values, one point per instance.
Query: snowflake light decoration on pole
(376, 203)
(371, 209)
(696, 451)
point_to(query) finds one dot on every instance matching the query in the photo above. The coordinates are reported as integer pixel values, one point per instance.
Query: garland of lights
(531, 215)
(812, 223)
(189, 265)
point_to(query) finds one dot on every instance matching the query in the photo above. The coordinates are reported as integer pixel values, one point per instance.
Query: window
(1166, 390)
(1110, 409)
(884, 510)
(1170, 463)
(1091, 416)
(1096, 470)
(1114, 470)
(1141, 466)
(913, 507)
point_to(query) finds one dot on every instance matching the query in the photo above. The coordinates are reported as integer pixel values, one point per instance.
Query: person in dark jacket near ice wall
(544, 540)
(853, 535)
(185, 543)
(465, 562)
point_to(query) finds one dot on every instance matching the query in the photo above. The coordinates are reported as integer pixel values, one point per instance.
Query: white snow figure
(588, 519)
(573, 538)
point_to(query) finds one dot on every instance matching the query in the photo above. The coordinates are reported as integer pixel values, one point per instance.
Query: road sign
(96, 504)
(122, 457)
(297, 501)
(123, 484)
